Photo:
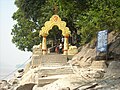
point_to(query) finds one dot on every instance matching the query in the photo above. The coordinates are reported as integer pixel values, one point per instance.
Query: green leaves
(100, 15)
(84, 16)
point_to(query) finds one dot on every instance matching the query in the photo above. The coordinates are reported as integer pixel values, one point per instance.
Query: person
(62, 40)
(57, 49)
(60, 48)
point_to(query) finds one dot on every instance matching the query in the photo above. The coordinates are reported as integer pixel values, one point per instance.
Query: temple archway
(44, 32)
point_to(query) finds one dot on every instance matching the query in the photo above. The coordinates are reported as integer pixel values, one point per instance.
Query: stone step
(55, 71)
(52, 64)
(47, 80)
(66, 66)
(48, 60)
(53, 60)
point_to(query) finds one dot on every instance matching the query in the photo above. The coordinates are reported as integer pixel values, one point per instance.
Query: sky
(10, 56)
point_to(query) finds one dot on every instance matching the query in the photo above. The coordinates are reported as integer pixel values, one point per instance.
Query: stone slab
(56, 71)
(53, 60)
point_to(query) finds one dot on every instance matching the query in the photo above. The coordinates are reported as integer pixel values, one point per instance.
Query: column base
(44, 52)
(65, 52)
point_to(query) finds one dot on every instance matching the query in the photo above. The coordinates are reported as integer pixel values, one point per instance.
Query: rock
(28, 86)
(111, 83)
(113, 68)
(21, 70)
(4, 85)
(111, 37)
(13, 81)
(91, 74)
(99, 65)
(66, 88)
(86, 55)
(114, 48)
(19, 73)
(88, 87)
(35, 87)
(27, 67)
(67, 83)
(98, 74)
(30, 77)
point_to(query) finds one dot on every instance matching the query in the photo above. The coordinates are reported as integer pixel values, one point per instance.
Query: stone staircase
(53, 67)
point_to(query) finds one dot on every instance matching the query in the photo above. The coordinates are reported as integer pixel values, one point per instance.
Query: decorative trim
(44, 36)
(66, 36)
(54, 20)
(65, 50)
(44, 50)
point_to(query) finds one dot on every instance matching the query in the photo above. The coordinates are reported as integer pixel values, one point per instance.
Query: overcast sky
(10, 56)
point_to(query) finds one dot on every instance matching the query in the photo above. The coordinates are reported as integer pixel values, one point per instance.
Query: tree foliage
(84, 16)
(101, 14)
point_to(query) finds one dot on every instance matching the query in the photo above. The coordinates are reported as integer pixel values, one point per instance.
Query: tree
(31, 16)
(100, 15)
(84, 16)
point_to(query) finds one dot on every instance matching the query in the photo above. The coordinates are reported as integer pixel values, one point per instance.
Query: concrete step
(49, 60)
(49, 71)
(47, 80)
(53, 60)
(52, 64)
(66, 66)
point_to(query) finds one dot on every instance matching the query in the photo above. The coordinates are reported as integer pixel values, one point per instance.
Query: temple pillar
(65, 45)
(44, 46)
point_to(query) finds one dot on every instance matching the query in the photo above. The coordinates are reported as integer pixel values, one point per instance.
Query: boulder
(28, 86)
(114, 48)
(4, 85)
(113, 68)
(30, 77)
(98, 65)
(87, 54)
(19, 73)
(84, 58)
